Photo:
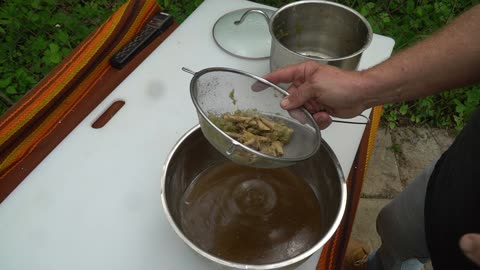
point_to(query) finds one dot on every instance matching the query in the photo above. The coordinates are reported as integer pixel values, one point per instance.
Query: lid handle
(265, 15)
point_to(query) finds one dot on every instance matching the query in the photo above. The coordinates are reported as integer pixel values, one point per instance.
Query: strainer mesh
(220, 91)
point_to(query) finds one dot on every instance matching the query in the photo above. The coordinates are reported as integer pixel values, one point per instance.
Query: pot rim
(291, 261)
(353, 11)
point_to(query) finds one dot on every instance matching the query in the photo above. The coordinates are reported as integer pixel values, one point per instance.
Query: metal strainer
(220, 90)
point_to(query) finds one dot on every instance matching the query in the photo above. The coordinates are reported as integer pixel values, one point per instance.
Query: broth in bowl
(251, 215)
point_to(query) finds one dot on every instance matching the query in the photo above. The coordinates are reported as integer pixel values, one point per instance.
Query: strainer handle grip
(367, 120)
(248, 12)
(188, 70)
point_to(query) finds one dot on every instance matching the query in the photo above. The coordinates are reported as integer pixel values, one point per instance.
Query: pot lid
(249, 39)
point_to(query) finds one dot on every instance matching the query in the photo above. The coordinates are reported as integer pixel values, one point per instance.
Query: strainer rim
(318, 138)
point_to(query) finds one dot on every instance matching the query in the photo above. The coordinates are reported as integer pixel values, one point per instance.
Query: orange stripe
(23, 149)
(143, 15)
(122, 10)
(46, 128)
(58, 73)
(376, 116)
(334, 250)
(100, 44)
(46, 96)
(328, 263)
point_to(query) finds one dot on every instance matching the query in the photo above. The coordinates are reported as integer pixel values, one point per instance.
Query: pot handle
(250, 11)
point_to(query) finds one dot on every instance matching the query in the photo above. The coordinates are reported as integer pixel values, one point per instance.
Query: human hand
(470, 244)
(324, 90)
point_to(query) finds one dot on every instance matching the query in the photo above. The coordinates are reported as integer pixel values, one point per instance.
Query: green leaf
(53, 47)
(410, 6)
(376, 28)
(11, 90)
(419, 11)
(63, 37)
(391, 125)
(5, 82)
(39, 44)
(65, 51)
(55, 58)
(20, 74)
(365, 11)
(403, 109)
(385, 18)
(5, 21)
(35, 4)
(34, 17)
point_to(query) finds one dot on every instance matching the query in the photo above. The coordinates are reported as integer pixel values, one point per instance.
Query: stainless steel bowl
(193, 154)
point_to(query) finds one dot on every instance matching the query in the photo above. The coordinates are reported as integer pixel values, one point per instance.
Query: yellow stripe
(26, 146)
(58, 86)
(377, 113)
(28, 141)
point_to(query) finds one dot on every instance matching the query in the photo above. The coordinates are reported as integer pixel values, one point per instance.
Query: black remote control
(156, 26)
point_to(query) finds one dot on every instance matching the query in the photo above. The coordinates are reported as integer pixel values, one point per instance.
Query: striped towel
(334, 251)
(43, 117)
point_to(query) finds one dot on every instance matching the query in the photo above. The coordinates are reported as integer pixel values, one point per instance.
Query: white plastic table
(94, 202)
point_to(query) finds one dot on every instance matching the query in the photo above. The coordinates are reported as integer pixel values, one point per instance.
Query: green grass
(36, 35)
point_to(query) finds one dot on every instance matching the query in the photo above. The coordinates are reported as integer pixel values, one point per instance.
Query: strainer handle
(188, 70)
(367, 120)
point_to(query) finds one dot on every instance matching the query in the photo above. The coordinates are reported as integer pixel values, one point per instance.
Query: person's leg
(401, 227)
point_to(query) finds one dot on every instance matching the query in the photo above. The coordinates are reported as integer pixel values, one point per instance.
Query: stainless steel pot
(193, 154)
(323, 31)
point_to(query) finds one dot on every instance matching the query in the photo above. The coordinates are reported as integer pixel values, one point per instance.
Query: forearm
(450, 58)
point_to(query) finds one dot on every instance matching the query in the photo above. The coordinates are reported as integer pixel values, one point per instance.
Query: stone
(364, 227)
(443, 137)
(398, 156)
(417, 148)
(382, 179)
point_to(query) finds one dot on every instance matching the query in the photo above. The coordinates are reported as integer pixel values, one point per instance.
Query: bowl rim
(299, 258)
(236, 143)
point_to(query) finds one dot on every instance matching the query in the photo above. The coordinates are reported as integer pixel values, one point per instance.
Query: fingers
(292, 73)
(259, 86)
(313, 105)
(298, 96)
(285, 75)
(298, 115)
(470, 244)
(301, 91)
(323, 119)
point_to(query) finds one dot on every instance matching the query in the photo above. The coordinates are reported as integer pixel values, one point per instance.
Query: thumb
(299, 95)
(470, 244)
